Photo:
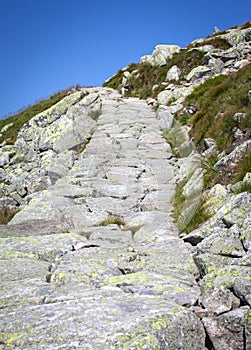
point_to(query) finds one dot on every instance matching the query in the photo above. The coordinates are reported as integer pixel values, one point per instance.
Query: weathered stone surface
(72, 283)
(197, 73)
(173, 73)
(218, 301)
(192, 192)
(160, 55)
(177, 95)
(226, 331)
(237, 35)
(165, 117)
(4, 159)
(232, 158)
(221, 245)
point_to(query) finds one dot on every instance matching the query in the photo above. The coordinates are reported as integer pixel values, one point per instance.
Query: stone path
(76, 285)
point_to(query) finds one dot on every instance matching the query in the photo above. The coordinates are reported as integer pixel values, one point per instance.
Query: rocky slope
(94, 259)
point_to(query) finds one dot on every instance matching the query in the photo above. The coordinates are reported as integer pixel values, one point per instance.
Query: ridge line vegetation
(24, 115)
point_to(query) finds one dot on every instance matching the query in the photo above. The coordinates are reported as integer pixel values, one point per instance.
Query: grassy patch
(217, 42)
(178, 200)
(25, 115)
(211, 175)
(6, 214)
(175, 137)
(245, 187)
(113, 219)
(145, 76)
(200, 216)
(243, 167)
(217, 101)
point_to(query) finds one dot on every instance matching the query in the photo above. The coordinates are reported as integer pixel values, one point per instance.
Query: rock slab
(69, 283)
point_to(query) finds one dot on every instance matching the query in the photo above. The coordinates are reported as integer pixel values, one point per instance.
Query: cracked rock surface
(68, 283)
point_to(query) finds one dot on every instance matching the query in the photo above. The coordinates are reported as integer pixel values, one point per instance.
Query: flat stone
(66, 281)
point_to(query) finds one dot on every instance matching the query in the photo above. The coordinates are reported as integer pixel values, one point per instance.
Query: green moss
(139, 278)
(10, 254)
(146, 337)
(141, 342)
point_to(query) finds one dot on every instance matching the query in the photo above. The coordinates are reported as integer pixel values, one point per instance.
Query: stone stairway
(69, 283)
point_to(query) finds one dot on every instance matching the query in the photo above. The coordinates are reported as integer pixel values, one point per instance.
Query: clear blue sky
(48, 45)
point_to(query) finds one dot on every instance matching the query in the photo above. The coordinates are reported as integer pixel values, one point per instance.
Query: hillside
(125, 209)
(207, 87)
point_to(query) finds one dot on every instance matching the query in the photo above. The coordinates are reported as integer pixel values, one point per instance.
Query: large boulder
(227, 331)
(197, 73)
(160, 55)
(173, 73)
(63, 127)
(176, 95)
(165, 117)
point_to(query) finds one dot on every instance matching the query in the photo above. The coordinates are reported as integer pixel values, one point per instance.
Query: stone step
(126, 284)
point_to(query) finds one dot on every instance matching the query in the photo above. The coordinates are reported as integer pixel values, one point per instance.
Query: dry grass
(6, 214)
(113, 219)
(218, 100)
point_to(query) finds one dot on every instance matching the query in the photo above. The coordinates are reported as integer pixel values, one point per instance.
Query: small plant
(85, 234)
(113, 219)
(83, 146)
(179, 199)
(243, 167)
(95, 114)
(245, 187)
(210, 173)
(6, 214)
(200, 216)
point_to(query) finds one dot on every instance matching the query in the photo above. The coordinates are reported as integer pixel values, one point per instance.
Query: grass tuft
(200, 216)
(6, 214)
(113, 219)
(243, 167)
